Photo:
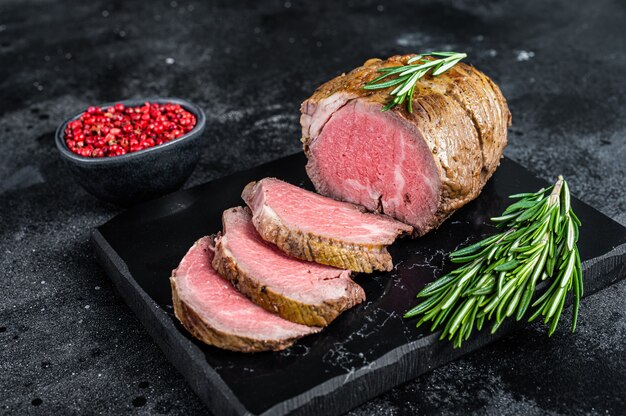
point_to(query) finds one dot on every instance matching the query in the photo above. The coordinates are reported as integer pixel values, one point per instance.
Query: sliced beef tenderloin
(213, 311)
(303, 292)
(312, 227)
(417, 167)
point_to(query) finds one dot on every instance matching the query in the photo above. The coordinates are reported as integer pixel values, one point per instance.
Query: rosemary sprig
(409, 74)
(499, 274)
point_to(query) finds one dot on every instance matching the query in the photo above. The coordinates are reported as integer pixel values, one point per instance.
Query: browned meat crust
(308, 314)
(363, 258)
(462, 115)
(209, 335)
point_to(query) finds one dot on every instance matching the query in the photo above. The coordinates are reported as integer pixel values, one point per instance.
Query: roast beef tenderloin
(213, 311)
(312, 227)
(417, 167)
(300, 291)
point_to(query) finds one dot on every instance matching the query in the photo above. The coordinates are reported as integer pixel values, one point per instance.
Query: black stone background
(69, 345)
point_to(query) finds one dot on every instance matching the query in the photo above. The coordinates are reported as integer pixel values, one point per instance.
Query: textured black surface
(366, 351)
(70, 345)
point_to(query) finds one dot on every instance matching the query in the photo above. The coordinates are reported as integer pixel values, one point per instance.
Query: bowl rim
(132, 102)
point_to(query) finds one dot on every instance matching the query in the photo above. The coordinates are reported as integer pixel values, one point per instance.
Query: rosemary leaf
(497, 277)
(408, 76)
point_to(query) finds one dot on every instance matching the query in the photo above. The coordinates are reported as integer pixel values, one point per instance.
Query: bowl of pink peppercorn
(133, 150)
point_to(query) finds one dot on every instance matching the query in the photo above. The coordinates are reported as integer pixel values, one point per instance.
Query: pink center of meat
(377, 160)
(221, 305)
(310, 212)
(299, 280)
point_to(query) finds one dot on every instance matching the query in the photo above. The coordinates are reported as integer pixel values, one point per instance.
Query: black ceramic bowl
(138, 176)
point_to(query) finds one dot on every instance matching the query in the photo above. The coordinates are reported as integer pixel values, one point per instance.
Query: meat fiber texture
(312, 227)
(213, 311)
(300, 291)
(417, 167)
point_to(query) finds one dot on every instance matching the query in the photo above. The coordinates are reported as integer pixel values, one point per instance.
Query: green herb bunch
(499, 274)
(408, 75)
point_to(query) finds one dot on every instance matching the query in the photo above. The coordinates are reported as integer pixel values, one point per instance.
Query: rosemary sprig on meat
(409, 74)
(499, 274)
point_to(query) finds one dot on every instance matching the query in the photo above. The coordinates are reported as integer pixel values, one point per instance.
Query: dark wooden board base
(366, 351)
